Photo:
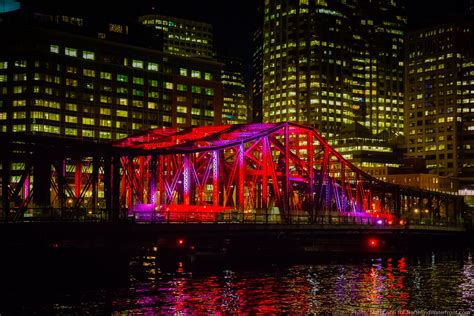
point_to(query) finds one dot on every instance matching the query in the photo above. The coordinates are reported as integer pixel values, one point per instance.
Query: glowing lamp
(380, 222)
(390, 222)
(373, 243)
(401, 222)
(427, 210)
(416, 211)
(180, 242)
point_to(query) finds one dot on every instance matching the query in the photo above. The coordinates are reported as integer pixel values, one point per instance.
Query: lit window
(105, 111)
(182, 87)
(88, 121)
(88, 55)
(137, 63)
(137, 103)
(70, 52)
(89, 72)
(19, 102)
(153, 94)
(183, 71)
(3, 78)
(207, 76)
(182, 109)
(138, 92)
(153, 66)
(20, 63)
(106, 135)
(70, 119)
(209, 91)
(106, 123)
(122, 78)
(196, 74)
(122, 90)
(54, 49)
(122, 101)
(105, 75)
(137, 80)
(87, 133)
(122, 113)
(3, 64)
(71, 107)
(71, 131)
(168, 85)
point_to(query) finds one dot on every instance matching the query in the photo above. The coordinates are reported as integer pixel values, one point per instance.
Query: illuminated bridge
(275, 173)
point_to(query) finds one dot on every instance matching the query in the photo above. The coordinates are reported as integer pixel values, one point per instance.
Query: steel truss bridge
(262, 173)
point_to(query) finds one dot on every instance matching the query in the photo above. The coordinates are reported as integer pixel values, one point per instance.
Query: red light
(373, 242)
(390, 222)
(180, 242)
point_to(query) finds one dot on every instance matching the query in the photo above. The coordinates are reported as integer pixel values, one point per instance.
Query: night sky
(234, 21)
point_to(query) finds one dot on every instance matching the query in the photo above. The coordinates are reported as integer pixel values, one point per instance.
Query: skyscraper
(181, 36)
(439, 101)
(235, 104)
(333, 63)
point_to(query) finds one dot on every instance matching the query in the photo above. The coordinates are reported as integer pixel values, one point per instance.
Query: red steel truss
(273, 169)
(266, 173)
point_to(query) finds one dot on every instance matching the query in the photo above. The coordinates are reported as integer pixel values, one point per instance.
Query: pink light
(380, 222)
(180, 242)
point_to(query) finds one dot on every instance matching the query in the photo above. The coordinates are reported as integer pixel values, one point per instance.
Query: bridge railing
(82, 215)
(303, 219)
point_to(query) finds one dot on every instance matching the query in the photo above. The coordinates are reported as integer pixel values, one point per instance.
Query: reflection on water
(434, 282)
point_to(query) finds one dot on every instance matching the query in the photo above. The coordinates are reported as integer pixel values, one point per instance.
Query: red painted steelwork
(274, 170)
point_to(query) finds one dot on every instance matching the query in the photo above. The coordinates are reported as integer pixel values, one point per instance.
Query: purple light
(380, 222)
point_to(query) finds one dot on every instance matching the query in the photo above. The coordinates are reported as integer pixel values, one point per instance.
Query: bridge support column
(61, 180)
(152, 198)
(215, 178)
(286, 187)
(187, 180)
(115, 198)
(95, 180)
(108, 186)
(241, 197)
(5, 186)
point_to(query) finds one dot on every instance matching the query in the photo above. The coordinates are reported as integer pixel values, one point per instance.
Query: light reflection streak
(387, 284)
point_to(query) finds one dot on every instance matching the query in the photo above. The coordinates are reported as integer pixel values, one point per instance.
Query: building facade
(72, 85)
(439, 101)
(181, 36)
(333, 63)
(235, 108)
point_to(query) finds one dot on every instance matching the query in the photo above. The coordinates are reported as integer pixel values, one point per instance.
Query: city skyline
(233, 28)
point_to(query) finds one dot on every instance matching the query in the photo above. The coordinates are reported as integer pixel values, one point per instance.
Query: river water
(146, 284)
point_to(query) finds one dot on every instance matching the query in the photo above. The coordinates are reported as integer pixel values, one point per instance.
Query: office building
(333, 63)
(439, 106)
(180, 36)
(61, 75)
(235, 104)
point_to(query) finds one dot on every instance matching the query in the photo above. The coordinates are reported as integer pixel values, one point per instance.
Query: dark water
(147, 285)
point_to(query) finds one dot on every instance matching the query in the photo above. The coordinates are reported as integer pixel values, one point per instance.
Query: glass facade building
(182, 37)
(333, 63)
(105, 87)
(439, 99)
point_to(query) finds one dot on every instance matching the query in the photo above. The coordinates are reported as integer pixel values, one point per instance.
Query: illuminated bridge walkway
(281, 174)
